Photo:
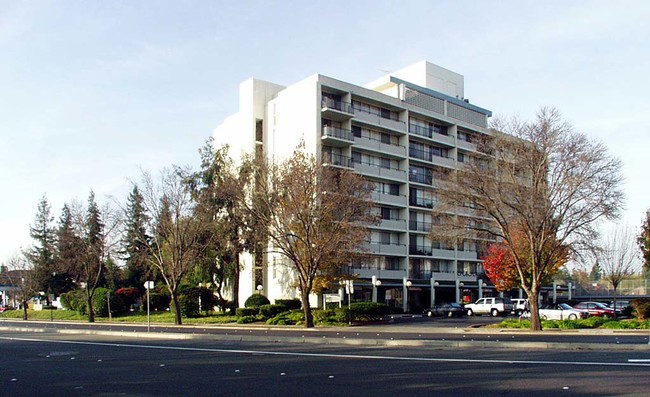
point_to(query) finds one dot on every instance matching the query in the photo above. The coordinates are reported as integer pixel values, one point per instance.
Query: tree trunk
(533, 306)
(177, 309)
(24, 310)
(615, 286)
(235, 283)
(91, 312)
(309, 318)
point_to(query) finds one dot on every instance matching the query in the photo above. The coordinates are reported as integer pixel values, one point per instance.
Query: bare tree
(314, 215)
(21, 276)
(173, 235)
(618, 257)
(543, 181)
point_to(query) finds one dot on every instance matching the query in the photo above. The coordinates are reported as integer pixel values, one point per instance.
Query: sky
(92, 93)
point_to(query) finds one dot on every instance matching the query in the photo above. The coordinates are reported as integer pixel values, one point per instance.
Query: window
(385, 213)
(356, 131)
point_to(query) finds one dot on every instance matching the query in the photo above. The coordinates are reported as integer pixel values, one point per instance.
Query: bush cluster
(641, 308)
(257, 300)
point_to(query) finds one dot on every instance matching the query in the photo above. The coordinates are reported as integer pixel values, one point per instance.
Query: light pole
(375, 283)
(148, 285)
(406, 284)
(434, 284)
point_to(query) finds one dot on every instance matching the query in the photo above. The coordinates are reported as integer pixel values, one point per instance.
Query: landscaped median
(588, 323)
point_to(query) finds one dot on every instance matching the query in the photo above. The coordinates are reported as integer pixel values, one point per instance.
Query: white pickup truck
(492, 306)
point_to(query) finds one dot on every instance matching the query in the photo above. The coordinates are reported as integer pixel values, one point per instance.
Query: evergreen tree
(596, 272)
(42, 253)
(135, 241)
(69, 249)
(93, 265)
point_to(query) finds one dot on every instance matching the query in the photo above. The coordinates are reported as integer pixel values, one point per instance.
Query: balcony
(386, 249)
(466, 145)
(421, 202)
(376, 171)
(373, 144)
(337, 160)
(385, 198)
(336, 110)
(420, 250)
(394, 224)
(419, 226)
(421, 178)
(431, 133)
(443, 254)
(377, 120)
(382, 274)
(337, 137)
(467, 255)
(431, 157)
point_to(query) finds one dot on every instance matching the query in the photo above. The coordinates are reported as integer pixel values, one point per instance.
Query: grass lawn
(133, 317)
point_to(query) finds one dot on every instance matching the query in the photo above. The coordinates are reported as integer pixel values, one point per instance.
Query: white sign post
(148, 285)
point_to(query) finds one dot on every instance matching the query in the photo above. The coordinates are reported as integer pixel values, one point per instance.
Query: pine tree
(93, 266)
(42, 253)
(69, 249)
(135, 241)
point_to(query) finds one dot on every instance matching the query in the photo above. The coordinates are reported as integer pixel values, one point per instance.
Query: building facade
(405, 132)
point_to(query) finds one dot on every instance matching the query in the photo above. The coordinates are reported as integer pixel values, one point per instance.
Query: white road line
(630, 363)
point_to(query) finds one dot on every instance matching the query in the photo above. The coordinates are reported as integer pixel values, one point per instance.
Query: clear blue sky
(92, 91)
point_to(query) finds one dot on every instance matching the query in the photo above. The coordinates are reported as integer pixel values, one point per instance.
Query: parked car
(446, 310)
(492, 306)
(596, 309)
(561, 311)
(520, 305)
(623, 308)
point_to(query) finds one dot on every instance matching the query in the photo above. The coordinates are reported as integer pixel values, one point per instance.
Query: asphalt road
(52, 364)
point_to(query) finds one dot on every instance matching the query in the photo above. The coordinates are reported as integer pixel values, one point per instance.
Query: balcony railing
(420, 202)
(424, 154)
(420, 226)
(337, 159)
(340, 133)
(420, 250)
(427, 132)
(419, 178)
(335, 104)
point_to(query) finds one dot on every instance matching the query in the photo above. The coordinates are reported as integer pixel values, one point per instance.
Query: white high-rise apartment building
(404, 132)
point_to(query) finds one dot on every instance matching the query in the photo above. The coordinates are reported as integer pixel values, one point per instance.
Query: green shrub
(323, 316)
(100, 302)
(368, 311)
(294, 317)
(246, 319)
(75, 301)
(246, 311)
(158, 301)
(268, 311)
(257, 300)
(641, 308)
(188, 301)
(290, 304)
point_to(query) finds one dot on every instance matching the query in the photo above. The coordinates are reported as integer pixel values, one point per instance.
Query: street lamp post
(375, 283)
(434, 284)
(406, 284)
(148, 285)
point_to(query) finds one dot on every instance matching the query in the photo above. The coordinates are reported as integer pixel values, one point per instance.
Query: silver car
(561, 311)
